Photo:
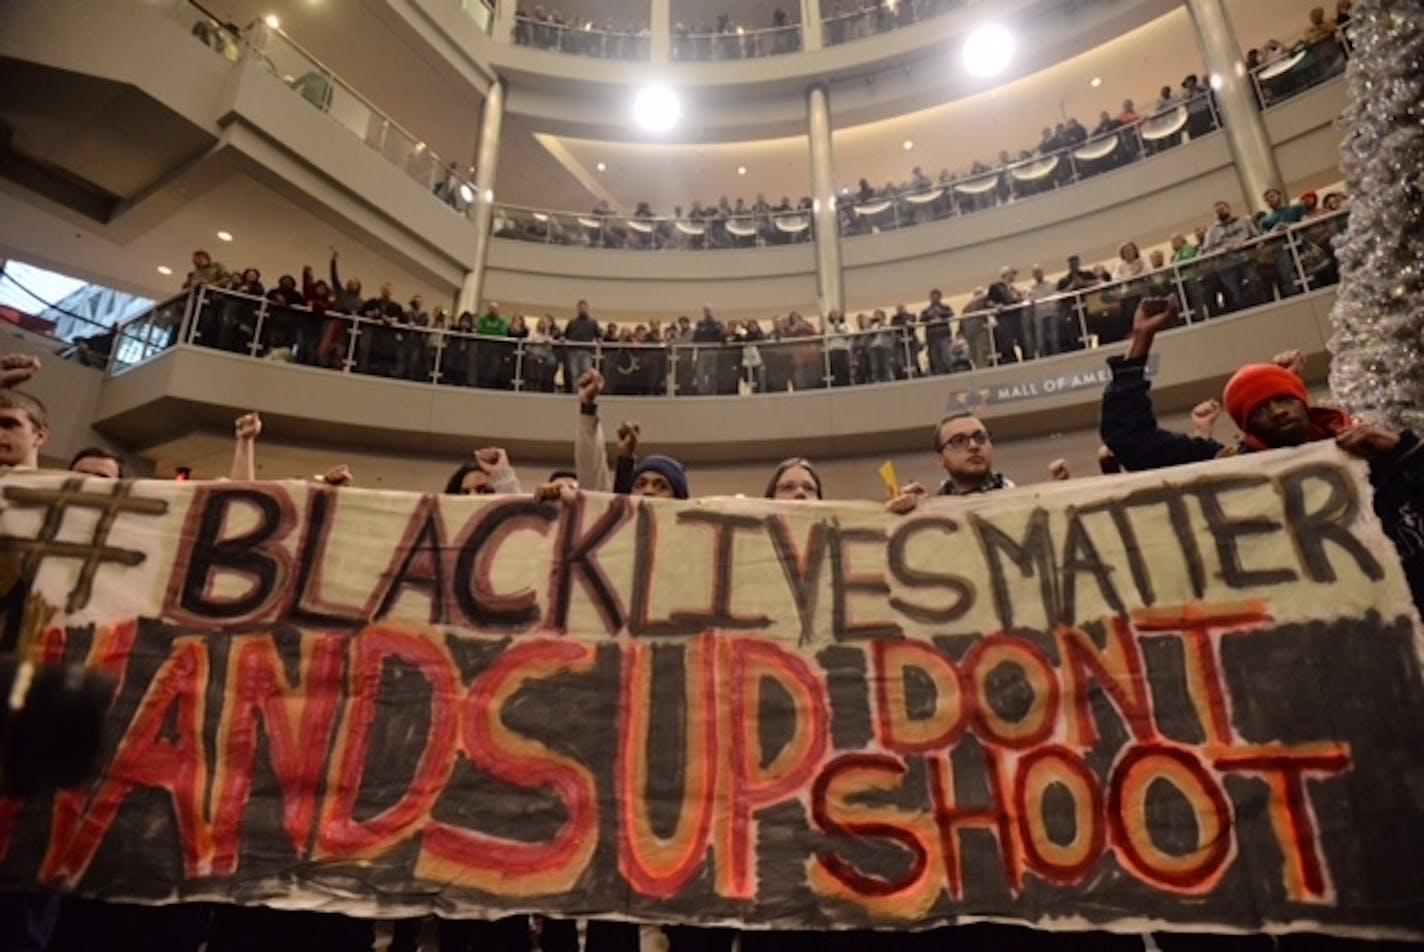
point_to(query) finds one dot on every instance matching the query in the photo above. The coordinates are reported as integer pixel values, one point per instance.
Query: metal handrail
(819, 356)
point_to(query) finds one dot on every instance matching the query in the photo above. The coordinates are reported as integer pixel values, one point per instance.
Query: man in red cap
(1272, 409)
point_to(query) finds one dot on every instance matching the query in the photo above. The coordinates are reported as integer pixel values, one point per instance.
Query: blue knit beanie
(668, 468)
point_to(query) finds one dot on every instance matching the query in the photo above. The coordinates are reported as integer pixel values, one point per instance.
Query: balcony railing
(582, 39)
(990, 187)
(879, 16)
(322, 88)
(747, 229)
(794, 356)
(733, 44)
(1303, 67)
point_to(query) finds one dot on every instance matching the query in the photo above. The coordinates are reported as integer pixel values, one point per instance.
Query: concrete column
(1240, 116)
(830, 293)
(811, 36)
(502, 28)
(660, 32)
(486, 161)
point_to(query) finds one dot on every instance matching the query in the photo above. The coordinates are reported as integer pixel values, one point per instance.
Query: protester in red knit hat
(1272, 408)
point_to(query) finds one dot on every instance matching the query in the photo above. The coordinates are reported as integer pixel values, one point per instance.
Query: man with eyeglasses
(965, 451)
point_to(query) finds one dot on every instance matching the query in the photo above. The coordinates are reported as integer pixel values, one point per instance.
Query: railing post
(256, 343)
(201, 303)
(1296, 263)
(517, 383)
(437, 363)
(1182, 295)
(353, 334)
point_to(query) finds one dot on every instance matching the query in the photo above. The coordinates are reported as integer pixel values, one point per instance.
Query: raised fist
(248, 426)
(15, 369)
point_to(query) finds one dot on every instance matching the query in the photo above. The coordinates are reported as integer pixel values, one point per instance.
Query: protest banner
(1188, 699)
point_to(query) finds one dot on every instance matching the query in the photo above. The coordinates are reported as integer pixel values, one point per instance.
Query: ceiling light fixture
(988, 50)
(602, 166)
(908, 144)
(224, 236)
(272, 21)
(741, 170)
(1097, 81)
(164, 269)
(657, 109)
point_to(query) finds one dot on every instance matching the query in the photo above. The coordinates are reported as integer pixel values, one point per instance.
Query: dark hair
(96, 452)
(453, 487)
(959, 415)
(786, 464)
(563, 474)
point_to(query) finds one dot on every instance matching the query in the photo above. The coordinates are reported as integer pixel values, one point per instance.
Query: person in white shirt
(1047, 327)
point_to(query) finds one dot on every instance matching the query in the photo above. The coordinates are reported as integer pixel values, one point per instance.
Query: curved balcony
(872, 19)
(751, 84)
(847, 390)
(872, 211)
(580, 39)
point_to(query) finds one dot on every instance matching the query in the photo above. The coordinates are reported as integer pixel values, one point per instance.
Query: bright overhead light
(1215, 81)
(1097, 81)
(272, 21)
(988, 50)
(657, 109)
(741, 170)
(602, 166)
(489, 196)
(467, 194)
(908, 144)
(164, 269)
(225, 236)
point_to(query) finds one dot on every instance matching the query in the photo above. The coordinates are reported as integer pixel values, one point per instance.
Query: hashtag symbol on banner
(92, 553)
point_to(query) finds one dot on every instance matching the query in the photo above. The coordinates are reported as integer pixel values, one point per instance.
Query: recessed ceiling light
(225, 236)
(1097, 81)
(272, 21)
(741, 170)
(988, 50)
(164, 269)
(602, 166)
(908, 144)
(657, 109)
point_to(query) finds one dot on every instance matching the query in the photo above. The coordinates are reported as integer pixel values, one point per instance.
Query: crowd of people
(1052, 163)
(1321, 50)
(1233, 262)
(842, 22)
(728, 39)
(551, 30)
(1268, 402)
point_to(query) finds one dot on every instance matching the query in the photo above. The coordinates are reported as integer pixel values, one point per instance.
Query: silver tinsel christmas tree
(1377, 370)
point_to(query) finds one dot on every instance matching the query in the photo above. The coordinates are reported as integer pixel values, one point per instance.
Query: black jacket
(1129, 428)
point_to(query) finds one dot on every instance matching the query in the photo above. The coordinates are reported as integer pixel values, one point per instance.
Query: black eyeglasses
(961, 441)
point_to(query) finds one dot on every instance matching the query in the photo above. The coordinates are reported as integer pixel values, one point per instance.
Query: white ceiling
(352, 38)
(269, 232)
